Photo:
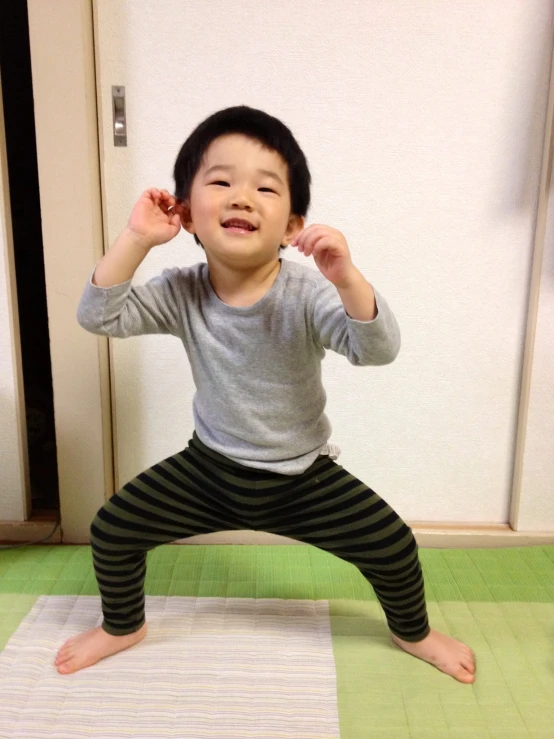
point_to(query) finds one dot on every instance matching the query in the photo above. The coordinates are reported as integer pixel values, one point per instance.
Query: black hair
(258, 125)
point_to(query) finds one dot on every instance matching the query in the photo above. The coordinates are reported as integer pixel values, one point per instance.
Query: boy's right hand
(155, 218)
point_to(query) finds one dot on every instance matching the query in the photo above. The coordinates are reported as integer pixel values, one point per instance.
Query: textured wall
(423, 126)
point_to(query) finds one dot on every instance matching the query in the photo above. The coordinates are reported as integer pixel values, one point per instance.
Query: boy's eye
(221, 182)
(266, 189)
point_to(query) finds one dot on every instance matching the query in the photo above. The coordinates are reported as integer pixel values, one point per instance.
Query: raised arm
(109, 305)
(154, 220)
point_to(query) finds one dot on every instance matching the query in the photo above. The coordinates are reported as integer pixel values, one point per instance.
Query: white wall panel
(423, 126)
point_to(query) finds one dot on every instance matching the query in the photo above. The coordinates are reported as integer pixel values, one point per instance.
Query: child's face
(240, 179)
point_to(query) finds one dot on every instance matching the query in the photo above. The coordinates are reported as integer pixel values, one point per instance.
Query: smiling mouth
(235, 225)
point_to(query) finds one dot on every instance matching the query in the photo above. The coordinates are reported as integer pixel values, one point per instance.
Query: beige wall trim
(432, 536)
(108, 379)
(64, 89)
(39, 527)
(534, 292)
(429, 536)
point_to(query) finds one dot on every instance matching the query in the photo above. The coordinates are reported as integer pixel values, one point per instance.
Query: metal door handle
(119, 116)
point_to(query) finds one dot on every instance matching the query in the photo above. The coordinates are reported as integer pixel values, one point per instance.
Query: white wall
(423, 125)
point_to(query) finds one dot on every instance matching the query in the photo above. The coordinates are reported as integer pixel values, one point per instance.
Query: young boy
(255, 328)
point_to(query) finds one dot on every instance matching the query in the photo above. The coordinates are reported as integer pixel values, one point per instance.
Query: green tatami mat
(498, 601)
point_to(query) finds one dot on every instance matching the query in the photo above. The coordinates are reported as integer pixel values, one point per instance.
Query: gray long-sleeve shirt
(259, 396)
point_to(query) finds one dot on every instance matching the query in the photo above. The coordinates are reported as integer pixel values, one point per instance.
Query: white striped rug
(224, 668)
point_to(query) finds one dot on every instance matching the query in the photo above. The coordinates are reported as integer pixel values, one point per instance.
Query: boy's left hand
(329, 250)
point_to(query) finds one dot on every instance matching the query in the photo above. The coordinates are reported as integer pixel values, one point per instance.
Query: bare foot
(88, 648)
(447, 654)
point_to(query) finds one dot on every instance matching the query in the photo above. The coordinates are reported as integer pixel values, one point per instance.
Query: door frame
(66, 119)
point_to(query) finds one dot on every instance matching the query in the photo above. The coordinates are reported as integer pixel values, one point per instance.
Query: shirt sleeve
(122, 310)
(363, 343)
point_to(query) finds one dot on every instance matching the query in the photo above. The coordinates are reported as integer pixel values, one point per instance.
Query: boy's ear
(295, 225)
(186, 217)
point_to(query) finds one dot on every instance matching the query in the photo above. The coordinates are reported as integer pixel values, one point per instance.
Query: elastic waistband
(221, 460)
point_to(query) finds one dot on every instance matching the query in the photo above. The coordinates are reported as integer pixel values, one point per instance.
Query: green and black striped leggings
(199, 491)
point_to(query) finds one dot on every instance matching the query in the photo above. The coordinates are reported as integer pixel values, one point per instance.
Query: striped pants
(199, 491)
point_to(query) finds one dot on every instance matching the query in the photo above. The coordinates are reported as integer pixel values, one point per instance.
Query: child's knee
(99, 535)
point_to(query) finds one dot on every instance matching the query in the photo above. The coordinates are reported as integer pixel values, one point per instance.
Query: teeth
(237, 224)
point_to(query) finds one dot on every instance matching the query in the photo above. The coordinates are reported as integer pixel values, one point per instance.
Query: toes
(64, 649)
(466, 673)
(64, 654)
(66, 667)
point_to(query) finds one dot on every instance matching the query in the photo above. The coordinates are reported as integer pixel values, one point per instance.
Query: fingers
(307, 241)
(168, 204)
(162, 197)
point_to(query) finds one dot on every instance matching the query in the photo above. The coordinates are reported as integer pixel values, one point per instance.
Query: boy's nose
(241, 201)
